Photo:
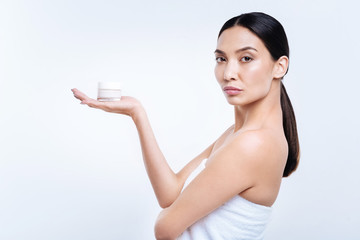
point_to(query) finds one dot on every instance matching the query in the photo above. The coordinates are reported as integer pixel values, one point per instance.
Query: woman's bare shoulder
(259, 148)
(265, 145)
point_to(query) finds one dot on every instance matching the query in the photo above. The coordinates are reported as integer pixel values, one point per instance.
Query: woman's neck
(264, 112)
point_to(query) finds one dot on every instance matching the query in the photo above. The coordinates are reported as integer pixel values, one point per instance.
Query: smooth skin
(248, 159)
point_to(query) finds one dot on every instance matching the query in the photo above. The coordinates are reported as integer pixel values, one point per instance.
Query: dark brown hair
(272, 34)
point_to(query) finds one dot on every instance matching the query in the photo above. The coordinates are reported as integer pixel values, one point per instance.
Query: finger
(86, 100)
(79, 95)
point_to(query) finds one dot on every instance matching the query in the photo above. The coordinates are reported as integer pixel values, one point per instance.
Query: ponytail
(290, 129)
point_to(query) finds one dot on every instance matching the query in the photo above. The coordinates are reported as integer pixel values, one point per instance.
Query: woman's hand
(127, 105)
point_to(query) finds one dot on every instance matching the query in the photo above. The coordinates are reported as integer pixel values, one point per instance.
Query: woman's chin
(234, 102)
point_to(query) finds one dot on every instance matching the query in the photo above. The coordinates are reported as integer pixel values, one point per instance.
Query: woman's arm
(231, 169)
(166, 184)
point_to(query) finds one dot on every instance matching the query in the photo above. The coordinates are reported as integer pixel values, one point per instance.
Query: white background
(71, 172)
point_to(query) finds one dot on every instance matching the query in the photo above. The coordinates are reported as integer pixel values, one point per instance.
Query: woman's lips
(232, 90)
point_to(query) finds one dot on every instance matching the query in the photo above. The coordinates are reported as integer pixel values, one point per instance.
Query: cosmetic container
(109, 91)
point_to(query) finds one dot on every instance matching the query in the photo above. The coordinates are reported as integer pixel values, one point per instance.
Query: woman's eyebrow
(237, 51)
(245, 48)
(219, 51)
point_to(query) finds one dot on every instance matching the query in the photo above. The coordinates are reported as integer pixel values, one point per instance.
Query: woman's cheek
(258, 73)
(251, 75)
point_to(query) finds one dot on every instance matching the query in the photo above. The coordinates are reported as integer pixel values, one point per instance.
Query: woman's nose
(231, 71)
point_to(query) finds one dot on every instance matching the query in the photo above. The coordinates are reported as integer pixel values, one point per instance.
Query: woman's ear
(280, 67)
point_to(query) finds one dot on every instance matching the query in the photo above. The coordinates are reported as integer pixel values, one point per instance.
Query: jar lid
(109, 85)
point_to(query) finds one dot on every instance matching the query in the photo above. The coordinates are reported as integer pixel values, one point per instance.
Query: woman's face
(244, 67)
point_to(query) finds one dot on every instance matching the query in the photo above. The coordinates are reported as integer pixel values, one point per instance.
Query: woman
(231, 197)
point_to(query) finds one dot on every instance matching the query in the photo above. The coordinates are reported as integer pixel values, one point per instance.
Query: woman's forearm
(164, 181)
(167, 185)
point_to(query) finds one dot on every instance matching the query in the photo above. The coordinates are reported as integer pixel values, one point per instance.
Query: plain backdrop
(71, 172)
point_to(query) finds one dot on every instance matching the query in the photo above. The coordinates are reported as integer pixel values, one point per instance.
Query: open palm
(127, 105)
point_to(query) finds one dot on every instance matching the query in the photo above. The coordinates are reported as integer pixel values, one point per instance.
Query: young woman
(231, 197)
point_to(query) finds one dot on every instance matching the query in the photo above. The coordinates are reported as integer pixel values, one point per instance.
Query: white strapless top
(237, 219)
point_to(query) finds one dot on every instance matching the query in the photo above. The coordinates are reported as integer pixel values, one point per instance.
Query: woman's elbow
(165, 200)
(165, 204)
(163, 231)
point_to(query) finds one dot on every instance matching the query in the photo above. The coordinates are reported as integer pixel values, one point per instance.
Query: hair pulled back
(272, 34)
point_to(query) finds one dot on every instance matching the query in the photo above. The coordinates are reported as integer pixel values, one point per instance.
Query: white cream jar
(109, 91)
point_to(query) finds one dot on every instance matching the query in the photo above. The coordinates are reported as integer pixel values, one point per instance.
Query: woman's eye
(246, 59)
(220, 59)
